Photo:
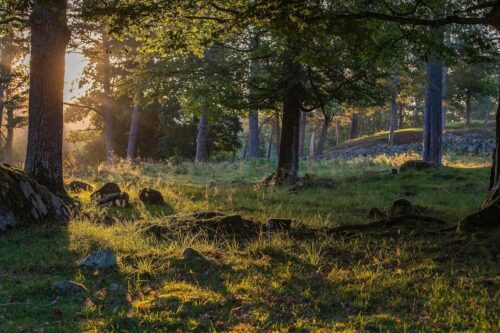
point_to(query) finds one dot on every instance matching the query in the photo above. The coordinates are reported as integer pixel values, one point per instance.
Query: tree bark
(7, 56)
(394, 107)
(201, 139)
(312, 145)
(302, 133)
(433, 127)
(270, 142)
(278, 132)
(322, 139)
(49, 38)
(444, 93)
(468, 108)
(288, 162)
(107, 103)
(353, 132)
(9, 138)
(401, 117)
(253, 135)
(134, 129)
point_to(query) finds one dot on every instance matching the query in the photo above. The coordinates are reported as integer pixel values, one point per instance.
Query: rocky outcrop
(452, 143)
(23, 200)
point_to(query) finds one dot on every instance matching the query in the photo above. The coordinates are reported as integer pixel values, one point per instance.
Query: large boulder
(417, 165)
(23, 200)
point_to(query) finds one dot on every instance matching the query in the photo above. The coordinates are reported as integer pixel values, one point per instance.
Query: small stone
(151, 196)
(190, 253)
(101, 259)
(115, 288)
(67, 286)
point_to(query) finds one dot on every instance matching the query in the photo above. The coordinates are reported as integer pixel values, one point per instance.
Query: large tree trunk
(444, 93)
(322, 139)
(253, 134)
(288, 162)
(353, 132)
(201, 139)
(394, 107)
(6, 58)
(489, 215)
(302, 133)
(49, 37)
(107, 102)
(433, 127)
(278, 132)
(134, 129)
(468, 108)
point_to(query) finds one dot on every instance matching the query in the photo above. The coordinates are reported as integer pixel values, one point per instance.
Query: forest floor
(397, 279)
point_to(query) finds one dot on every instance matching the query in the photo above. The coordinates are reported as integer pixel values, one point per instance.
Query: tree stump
(23, 200)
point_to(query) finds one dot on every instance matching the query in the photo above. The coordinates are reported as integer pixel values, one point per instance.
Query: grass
(394, 280)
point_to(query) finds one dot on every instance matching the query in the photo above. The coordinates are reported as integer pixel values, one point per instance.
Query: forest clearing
(249, 166)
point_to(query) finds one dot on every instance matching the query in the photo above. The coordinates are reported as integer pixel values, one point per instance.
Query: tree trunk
(433, 127)
(7, 56)
(288, 162)
(278, 133)
(107, 103)
(134, 129)
(10, 134)
(322, 139)
(394, 107)
(302, 133)
(401, 117)
(49, 37)
(312, 145)
(468, 108)
(253, 134)
(270, 142)
(445, 92)
(201, 140)
(337, 134)
(353, 132)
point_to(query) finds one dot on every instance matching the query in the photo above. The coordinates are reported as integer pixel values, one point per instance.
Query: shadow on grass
(32, 260)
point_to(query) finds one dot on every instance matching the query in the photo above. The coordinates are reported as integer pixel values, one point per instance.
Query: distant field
(406, 279)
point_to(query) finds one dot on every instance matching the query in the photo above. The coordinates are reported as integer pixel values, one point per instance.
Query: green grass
(394, 280)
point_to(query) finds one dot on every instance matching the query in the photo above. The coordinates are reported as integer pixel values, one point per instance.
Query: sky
(75, 63)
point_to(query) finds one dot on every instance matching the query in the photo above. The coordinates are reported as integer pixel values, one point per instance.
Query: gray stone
(101, 259)
(66, 286)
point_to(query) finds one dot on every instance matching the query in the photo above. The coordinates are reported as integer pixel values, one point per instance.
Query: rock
(108, 188)
(101, 259)
(376, 213)
(190, 253)
(487, 218)
(116, 288)
(23, 200)
(79, 186)
(401, 207)
(150, 196)
(114, 200)
(70, 287)
(277, 224)
(416, 165)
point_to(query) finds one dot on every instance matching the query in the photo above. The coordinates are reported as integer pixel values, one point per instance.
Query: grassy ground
(396, 280)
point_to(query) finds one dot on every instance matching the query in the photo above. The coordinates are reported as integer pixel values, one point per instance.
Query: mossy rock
(23, 200)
